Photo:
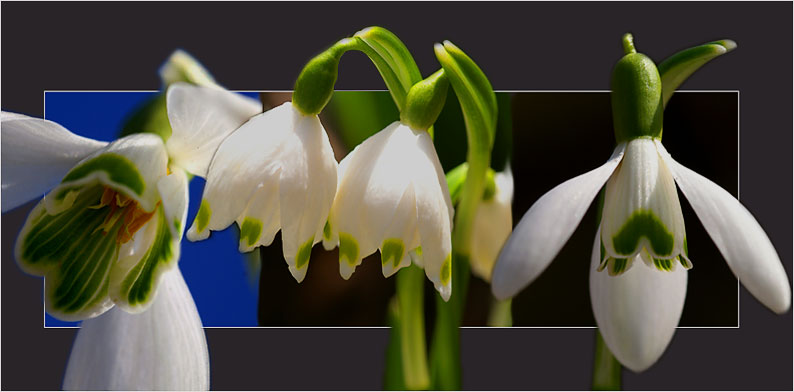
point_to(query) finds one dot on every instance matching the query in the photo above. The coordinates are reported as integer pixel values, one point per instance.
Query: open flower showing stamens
(393, 197)
(276, 172)
(112, 227)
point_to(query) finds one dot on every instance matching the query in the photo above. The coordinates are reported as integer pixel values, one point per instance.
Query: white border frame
(738, 192)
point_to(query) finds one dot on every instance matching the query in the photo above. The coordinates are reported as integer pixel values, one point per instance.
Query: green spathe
(677, 68)
(637, 106)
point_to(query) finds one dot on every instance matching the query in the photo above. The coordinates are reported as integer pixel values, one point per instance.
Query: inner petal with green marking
(76, 248)
(642, 215)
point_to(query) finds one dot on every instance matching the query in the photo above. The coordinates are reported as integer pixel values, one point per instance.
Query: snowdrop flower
(638, 301)
(393, 197)
(108, 235)
(107, 232)
(492, 225)
(276, 172)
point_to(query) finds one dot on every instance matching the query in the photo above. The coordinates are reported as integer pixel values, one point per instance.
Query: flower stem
(445, 365)
(500, 314)
(411, 328)
(606, 369)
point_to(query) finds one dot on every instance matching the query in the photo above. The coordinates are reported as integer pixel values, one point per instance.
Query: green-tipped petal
(136, 276)
(36, 154)
(641, 206)
(131, 165)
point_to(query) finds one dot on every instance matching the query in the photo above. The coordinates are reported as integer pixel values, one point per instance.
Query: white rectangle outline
(738, 176)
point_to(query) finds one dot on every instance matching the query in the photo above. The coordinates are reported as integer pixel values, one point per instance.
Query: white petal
(155, 249)
(182, 67)
(434, 215)
(374, 182)
(641, 207)
(261, 219)
(163, 348)
(546, 227)
(131, 165)
(636, 312)
(492, 226)
(244, 161)
(741, 240)
(36, 154)
(201, 117)
(142, 262)
(279, 144)
(174, 194)
(306, 190)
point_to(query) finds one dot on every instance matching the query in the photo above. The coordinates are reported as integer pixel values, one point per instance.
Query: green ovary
(641, 224)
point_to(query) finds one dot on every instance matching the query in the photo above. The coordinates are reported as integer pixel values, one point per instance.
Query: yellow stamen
(124, 210)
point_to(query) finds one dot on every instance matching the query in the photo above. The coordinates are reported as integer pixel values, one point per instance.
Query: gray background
(519, 46)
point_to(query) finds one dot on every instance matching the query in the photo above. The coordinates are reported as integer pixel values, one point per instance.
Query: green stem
(606, 369)
(500, 314)
(393, 379)
(413, 350)
(445, 366)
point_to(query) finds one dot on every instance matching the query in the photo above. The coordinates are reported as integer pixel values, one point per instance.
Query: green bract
(678, 67)
(315, 84)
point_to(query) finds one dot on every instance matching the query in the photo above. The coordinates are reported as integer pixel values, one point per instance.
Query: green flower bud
(636, 95)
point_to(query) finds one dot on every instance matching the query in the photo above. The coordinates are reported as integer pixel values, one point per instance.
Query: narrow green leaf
(677, 68)
(474, 92)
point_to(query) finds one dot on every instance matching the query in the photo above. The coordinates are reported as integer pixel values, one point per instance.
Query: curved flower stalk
(638, 301)
(284, 171)
(163, 348)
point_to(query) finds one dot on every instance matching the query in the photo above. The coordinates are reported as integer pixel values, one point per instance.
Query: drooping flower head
(637, 307)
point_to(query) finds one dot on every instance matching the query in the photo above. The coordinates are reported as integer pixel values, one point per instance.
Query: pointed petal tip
(727, 44)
